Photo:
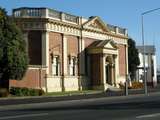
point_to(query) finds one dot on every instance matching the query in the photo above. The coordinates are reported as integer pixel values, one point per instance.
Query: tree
(13, 53)
(133, 59)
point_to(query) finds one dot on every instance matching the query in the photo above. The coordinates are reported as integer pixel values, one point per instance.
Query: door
(107, 73)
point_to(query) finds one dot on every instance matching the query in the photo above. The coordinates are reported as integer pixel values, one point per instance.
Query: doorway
(108, 73)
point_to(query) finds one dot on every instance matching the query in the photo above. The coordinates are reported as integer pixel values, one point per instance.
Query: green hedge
(17, 91)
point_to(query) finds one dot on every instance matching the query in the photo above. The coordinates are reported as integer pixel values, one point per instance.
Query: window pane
(55, 66)
(72, 66)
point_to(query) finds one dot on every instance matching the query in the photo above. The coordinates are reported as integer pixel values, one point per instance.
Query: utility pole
(143, 43)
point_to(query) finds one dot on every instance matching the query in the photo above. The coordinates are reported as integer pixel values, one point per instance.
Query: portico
(103, 55)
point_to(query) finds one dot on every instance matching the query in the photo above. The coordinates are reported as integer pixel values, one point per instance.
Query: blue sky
(124, 13)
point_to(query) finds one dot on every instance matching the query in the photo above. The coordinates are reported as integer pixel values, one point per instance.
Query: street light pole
(144, 67)
(143, 43)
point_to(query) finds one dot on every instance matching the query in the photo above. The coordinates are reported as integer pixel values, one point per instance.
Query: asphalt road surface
(137, 107)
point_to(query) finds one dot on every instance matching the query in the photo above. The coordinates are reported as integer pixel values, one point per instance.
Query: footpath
(90, 95)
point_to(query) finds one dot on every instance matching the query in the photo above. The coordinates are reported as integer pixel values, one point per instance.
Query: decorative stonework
(34, 25)
(76, 31)
(63, 29)
(96, 25)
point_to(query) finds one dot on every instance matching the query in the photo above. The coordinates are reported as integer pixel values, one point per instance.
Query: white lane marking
(23, 116)
(148, 116)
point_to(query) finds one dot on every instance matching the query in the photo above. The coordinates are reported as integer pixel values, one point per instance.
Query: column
(45, 50)
(116, 69)
(103, 71)
(112, 74)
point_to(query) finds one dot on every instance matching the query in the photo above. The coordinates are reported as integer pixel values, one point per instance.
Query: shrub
(41, 92)
(137, 85)
(4, 92)
(26, 91)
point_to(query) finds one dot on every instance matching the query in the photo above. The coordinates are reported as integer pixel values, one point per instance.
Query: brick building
(69, 52)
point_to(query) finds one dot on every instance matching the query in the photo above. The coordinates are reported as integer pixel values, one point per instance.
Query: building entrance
(108, 78)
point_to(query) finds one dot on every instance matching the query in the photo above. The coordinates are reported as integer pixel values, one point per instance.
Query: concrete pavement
(133, 107)
(44, 99)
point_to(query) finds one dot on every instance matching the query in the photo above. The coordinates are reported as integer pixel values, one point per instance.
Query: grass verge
(69, 93)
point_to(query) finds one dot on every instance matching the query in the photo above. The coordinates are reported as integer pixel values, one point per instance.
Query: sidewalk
(43, 99)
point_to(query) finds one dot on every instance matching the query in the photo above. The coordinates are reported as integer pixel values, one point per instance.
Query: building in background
(150, 64)
(69, 52)
(158, 73)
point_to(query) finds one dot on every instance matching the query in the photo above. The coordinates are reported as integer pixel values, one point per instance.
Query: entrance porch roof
(103, 46)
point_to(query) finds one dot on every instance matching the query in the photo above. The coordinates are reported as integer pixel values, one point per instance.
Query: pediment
(111, 45)
(104, 44)
(95, 23)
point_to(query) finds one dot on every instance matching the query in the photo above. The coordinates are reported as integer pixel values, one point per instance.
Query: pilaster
(81, 51)
(126, 46)
(45, 50)
(82, 56)
(65, 57)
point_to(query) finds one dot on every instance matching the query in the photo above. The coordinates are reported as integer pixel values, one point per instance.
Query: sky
(123, 13)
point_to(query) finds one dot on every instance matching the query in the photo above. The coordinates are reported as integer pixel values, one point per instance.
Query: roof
(102, 43)
(34, 12)
(149, 49)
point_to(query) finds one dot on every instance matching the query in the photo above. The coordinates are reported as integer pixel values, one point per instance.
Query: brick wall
(72, 45)
(95, 69)
(122, 60)
(34, 78)
(88, 41)
(72, 48)
(55, 47)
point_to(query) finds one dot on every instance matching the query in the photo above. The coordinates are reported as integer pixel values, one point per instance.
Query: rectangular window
(55, 66)
(72, 66)
(146, 59)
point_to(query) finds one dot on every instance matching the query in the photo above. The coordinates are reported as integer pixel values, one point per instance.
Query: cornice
(66, 24)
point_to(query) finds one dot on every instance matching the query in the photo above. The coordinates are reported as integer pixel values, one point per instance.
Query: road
(137, 107)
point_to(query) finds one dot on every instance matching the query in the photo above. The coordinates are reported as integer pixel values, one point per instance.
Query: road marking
(148, 116)
(23, 116)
